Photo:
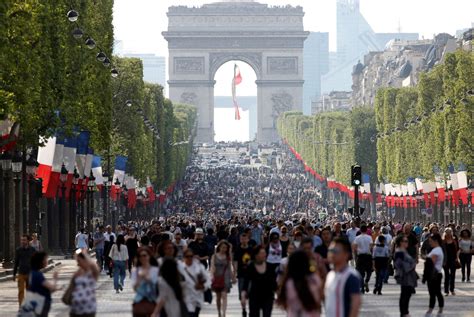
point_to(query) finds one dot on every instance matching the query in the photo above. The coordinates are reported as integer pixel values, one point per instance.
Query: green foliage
(45, 71)
(442, 137)
(326, 141)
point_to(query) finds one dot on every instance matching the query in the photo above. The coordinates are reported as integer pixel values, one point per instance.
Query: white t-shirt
(351, 234)
(439, 258)
(363, 242)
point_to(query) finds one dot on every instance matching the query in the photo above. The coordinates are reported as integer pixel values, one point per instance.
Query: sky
(139, 23)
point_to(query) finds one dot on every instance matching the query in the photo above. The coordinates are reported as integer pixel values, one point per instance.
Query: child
(380, 255)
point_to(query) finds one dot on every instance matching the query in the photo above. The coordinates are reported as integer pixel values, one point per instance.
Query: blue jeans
(119, 272)
(99, 255)
(379, 278)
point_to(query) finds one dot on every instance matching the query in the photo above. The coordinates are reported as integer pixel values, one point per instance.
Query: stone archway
(269, 39)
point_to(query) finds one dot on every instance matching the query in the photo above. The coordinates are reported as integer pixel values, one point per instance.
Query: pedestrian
(222, 274)
(322, 249)
(145, 283)
(119, 255)
(405, 274)
(362, 249)
(284, 263)
(38, 283)
(259, 285)
(466, 249)
(131, 241)
(199, 247)
(171, 297)
(434, 281)
(451, 261)
(342, 287)
(242, 257)
(274, 251)
(22, 266)
(180, 244)
(285, 241)
(82, 241)
(36, 243)
(196, 282)
(300, 290)
(380, 255)
(99, 244)
(108, 243)
(84, 280)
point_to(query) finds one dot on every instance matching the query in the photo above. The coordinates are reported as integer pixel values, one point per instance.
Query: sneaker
(375, 291)
(453, 293)
(121, 288)
(117, 291)
(379, 292)
(446, 294)
(366, 287)
(463, 280)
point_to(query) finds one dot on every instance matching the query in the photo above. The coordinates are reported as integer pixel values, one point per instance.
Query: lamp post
(73, 209)
(105, 198)
(33, 216)
(63, 245)
(116, 210)
(90, 210)
(6, 162)
(16, 169)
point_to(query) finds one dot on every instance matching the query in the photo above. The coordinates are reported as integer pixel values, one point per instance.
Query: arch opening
(226, 127)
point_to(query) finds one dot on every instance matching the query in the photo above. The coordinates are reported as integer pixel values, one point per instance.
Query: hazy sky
(139, 23)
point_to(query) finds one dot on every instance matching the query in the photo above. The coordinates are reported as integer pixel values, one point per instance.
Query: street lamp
(63, 238)
(33, 216)
(16, 169)
(114, 72)
(6, 161)
(90, 43)
(101, 57)
(77, 33)
(72, 15)
(90, 204)
(105, 176)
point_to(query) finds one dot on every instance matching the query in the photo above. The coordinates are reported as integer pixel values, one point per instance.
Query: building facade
(154, 68)
(316, 64)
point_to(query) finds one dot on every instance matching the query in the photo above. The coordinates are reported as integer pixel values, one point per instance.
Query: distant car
(213, 161)
(222, 158)
(247, 160)
(218, 147)
(254, 156)
(242, 154)
(258, 161)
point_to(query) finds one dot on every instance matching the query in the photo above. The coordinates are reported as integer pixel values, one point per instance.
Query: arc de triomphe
(269, 39)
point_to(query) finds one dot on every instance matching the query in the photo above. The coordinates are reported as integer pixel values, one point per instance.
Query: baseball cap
(199, 230)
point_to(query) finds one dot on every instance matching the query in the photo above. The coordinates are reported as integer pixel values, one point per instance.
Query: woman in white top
(35, 243)
(82, 241)
(119, 255)
(197, 280)
(434, 283)
(171, 297)
(466, 249)
(83, 295)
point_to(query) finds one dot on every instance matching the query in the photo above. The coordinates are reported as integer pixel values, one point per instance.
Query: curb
(8, 276)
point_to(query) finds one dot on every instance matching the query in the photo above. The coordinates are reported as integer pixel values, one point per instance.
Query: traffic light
(356, 175)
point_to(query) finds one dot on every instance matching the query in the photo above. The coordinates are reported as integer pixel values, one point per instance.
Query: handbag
(457, 264)
(143, 307)
(208, 296)
(32, 304)
(67, 296)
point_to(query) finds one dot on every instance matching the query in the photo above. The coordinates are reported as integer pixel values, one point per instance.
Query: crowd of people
(234, 228)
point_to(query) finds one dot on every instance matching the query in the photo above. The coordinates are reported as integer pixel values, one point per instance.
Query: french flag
(88, 166)
(9, 135)
(45, 161)
(149, 190)
(51, 190)
(81, 153)
(97, 170)
(366, 183)
(120, 166)
(132, 194)
(69, 160)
